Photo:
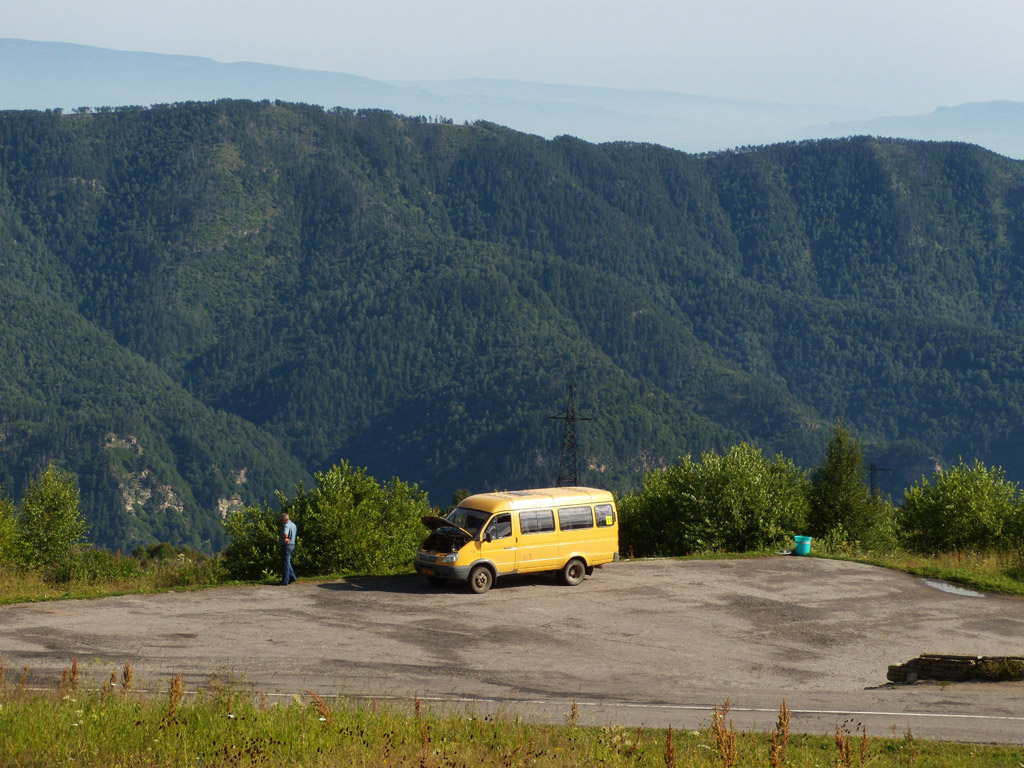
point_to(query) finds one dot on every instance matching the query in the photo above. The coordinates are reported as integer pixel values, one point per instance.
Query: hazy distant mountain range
(41, 75)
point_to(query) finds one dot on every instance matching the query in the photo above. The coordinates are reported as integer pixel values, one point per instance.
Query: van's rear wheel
(574, 572)
(480, 579)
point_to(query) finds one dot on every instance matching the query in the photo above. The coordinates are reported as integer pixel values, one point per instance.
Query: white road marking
(438, 699)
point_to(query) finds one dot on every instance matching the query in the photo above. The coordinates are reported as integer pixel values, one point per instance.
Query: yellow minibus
(567, 530)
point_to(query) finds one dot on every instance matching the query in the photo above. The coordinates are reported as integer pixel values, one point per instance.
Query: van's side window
(537, 521)
(605, 515)
(571, 518)
(499, 528)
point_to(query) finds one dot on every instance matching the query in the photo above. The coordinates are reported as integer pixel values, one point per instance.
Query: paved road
(648, 642)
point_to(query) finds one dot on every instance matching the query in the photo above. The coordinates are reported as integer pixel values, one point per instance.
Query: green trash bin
(803, 545)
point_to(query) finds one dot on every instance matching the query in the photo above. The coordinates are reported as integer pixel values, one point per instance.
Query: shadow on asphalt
(418, 585)
(404, 585)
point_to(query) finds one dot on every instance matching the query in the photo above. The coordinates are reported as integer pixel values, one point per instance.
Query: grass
(112, 726)
(19, 584)
(1001, 669)
(1000, 572)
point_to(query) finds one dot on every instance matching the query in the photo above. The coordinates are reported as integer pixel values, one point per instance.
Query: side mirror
(488, 537)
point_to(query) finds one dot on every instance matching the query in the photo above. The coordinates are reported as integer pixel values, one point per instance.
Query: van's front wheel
(480, 579)
(574, 572)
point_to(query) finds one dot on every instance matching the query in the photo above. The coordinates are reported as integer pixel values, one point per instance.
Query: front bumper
(428, 565)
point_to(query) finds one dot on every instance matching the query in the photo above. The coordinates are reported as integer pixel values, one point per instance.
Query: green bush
(162, 551)
(737, 502)
(167, 566)
(349, 523)
(963, 508)
(92, 566)
(185, 570)
(252, 542)
(49, 521)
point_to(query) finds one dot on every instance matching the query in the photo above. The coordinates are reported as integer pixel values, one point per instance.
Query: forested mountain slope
(218, 299)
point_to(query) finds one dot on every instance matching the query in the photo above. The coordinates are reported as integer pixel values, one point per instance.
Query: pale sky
(899, 55)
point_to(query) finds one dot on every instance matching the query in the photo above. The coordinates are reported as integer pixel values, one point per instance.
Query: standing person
(288, 536)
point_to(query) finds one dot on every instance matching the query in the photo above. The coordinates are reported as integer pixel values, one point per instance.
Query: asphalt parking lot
(647, 642)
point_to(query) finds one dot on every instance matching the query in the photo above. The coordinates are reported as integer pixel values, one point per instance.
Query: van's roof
(534, 498)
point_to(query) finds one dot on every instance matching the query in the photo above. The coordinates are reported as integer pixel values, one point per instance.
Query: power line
(987, 447)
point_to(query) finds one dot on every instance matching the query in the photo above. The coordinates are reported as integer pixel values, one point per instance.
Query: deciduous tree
(8, 531)
(50, 524)
(969, 506)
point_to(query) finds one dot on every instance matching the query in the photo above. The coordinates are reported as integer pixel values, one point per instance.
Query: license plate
(428, 571)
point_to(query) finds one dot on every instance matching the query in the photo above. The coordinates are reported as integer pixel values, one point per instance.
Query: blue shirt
(289, 530)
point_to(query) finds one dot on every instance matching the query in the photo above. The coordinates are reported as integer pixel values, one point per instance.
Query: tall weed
(230, 727)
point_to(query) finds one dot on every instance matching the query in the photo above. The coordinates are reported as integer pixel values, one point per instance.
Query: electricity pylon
(568, 473)
(872, 470)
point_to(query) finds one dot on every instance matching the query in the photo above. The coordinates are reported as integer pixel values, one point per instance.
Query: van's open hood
(433, 522)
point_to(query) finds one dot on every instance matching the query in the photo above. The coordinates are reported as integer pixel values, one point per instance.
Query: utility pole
(568, 473)
(871, 471)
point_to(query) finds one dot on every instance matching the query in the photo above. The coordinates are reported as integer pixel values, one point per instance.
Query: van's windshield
(471, 520)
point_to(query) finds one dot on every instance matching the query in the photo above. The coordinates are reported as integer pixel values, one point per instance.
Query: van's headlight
(451, 557)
